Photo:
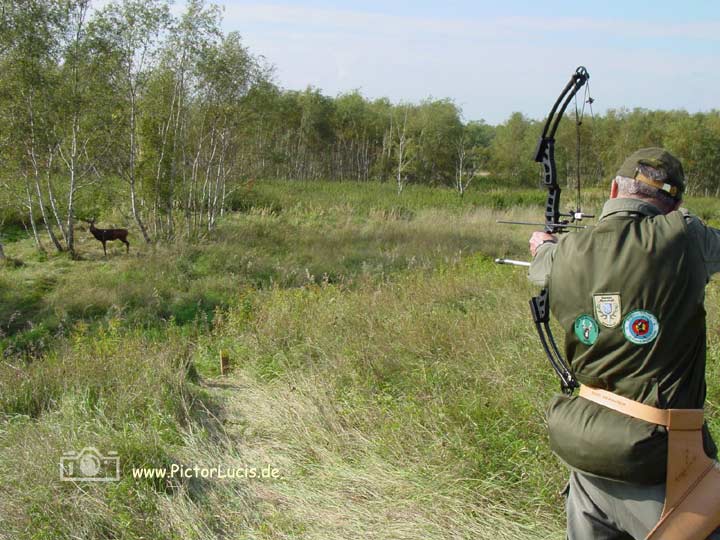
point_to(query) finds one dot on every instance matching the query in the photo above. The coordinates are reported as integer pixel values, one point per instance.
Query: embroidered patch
(641, 327)
(586, 329)
(607, 309)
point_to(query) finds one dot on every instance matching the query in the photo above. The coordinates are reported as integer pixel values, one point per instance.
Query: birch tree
(167, 126)
(71, 129)
(227, 71)
(463, 173)
(404, 148)
(131, 31)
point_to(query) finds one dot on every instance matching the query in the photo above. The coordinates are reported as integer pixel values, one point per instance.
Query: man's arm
(542, 248)
(708, 240)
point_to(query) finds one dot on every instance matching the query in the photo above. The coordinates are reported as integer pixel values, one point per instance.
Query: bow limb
(545, 153)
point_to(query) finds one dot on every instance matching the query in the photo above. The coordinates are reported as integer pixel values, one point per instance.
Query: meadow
(381, 363)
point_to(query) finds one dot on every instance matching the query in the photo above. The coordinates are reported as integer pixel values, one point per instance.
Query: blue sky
(491, 58)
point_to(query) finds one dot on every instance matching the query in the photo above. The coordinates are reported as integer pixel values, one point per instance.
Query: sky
(491, 58)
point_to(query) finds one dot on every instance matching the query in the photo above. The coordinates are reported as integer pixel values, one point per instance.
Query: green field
(381, 363)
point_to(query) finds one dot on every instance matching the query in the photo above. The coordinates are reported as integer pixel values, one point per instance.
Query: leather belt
(692, 488)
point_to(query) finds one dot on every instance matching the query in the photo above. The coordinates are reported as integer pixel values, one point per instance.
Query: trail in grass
(333, 484)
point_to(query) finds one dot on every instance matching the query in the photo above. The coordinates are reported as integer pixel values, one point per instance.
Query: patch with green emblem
(586, 329)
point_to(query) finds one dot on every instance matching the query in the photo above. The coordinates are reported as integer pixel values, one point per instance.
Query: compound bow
(555, 222)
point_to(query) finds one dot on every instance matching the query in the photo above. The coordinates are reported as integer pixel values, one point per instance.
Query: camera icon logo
(89, 465)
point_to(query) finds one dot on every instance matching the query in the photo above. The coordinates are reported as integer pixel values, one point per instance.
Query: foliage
(188, 117)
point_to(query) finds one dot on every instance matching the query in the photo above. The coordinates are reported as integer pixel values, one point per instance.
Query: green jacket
(629, 295)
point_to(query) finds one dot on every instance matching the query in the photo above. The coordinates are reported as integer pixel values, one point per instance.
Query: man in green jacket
(629, 294)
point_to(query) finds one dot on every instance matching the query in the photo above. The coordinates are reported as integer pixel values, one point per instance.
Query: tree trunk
(36, 174)
(38, 191)
(72, 166)
(43, 212)
(219, 176)
(53, 204)
(173, 159)
(161, 158)
(31, 215)
(136, 213)
(131, 173)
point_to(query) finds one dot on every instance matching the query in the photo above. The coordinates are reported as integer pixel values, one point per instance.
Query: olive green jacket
(635, 283)
(706, 238)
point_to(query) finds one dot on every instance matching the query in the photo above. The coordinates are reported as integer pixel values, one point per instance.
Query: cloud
(489, 66)
(496, 27)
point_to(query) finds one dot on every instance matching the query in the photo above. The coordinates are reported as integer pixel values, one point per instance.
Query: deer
(107, 235)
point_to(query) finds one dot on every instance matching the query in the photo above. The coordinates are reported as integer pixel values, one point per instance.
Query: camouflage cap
(672, 181)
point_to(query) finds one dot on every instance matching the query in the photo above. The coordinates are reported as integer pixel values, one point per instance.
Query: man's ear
(614, 190)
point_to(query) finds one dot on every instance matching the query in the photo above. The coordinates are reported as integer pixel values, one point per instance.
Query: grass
(416, 374)
(381, 362)
(105, 389)
(256, 249)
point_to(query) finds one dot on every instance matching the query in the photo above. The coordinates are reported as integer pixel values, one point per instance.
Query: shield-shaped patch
(607, 309)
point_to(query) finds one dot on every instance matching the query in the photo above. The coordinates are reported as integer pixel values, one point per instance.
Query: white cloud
(492, 66)
(497, 27)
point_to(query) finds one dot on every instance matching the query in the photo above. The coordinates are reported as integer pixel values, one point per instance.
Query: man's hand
(538, 238)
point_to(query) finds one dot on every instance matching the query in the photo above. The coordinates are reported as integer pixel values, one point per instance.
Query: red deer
(107, 235)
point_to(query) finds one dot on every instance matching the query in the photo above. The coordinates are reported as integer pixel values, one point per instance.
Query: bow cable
(579, 116)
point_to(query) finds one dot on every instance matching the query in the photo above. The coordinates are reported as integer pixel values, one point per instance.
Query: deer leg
(104, 249)
(127, 245)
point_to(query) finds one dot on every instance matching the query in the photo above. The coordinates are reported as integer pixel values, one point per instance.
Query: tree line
(186, 118)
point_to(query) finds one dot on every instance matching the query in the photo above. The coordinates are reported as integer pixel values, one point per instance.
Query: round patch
(640, 327)
(586, 329)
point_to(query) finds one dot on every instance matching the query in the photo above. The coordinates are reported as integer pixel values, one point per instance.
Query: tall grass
(256, 249)
(430, 377)
(381, 362)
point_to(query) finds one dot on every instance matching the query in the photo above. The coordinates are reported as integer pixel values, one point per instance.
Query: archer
(629, 294)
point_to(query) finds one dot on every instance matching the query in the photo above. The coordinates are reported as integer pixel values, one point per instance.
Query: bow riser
(545, 155)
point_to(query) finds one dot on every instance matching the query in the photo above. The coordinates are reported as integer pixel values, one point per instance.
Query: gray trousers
(600, 509)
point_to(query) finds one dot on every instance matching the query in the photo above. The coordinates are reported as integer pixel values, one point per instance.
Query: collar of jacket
(628, 206)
